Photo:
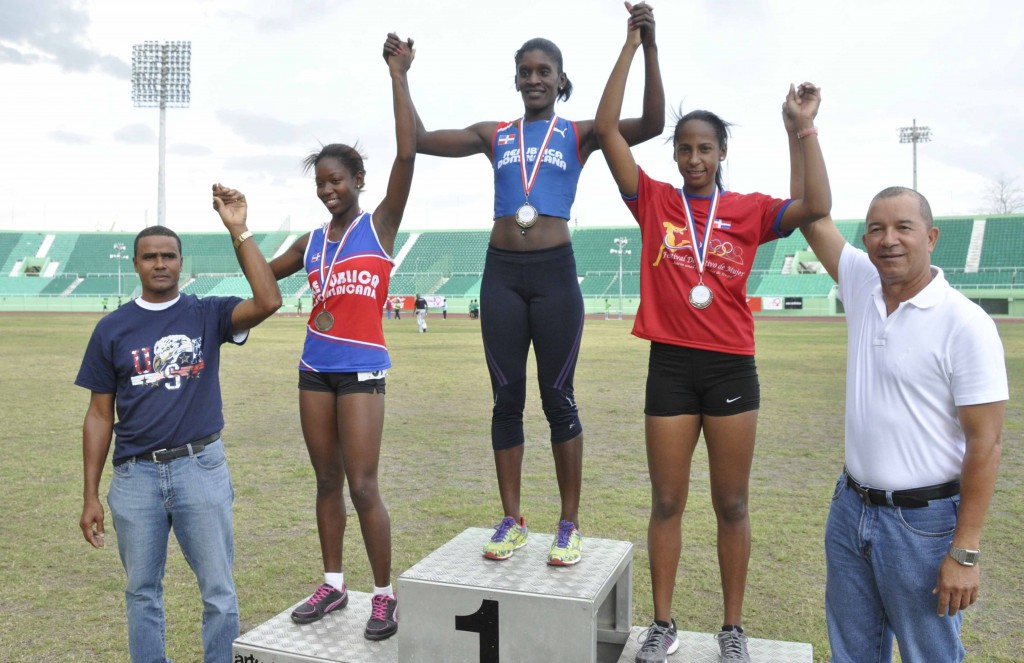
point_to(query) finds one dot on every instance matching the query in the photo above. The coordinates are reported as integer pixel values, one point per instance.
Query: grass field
(63, 600)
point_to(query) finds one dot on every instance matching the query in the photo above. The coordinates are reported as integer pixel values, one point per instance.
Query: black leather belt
(914, 498)
(164, 455)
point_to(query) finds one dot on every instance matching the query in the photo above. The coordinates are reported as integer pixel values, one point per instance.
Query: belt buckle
(154, 455)
(863, 493)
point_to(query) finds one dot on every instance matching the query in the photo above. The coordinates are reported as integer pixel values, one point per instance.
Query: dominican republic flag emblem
(724, 225)
(315, 258)
(506, 139)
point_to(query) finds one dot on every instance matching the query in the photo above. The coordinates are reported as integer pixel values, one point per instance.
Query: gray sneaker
(658, 643)
(734, 647)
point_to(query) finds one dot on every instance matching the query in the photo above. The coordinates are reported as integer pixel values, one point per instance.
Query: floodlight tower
(119, 254)
(620, 248)
(915, 134)
(161, 76)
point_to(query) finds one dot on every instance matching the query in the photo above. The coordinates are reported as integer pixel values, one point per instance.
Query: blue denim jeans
(883, 563)
(191, 495)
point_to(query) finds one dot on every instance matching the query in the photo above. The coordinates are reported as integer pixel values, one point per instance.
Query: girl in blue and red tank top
(345, 360)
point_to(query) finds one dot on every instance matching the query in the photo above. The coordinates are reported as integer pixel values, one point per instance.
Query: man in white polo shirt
(926, 391)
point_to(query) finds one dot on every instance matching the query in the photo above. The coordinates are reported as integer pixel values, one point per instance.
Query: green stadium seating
(447, 253)
(90, 253)
(58, 284)
(23, 285)
(1004, 243)
(7, 243)
(450, 263)
(25, 245)
(107, 284)
(954, 240)
(792, 285)
(291, 285)
(460, 285)
(593, 249)
(201, 285)
(601, 284)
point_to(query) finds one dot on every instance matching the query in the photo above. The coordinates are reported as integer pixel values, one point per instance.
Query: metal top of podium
(461, 562)
(336, 637)
(703, 648)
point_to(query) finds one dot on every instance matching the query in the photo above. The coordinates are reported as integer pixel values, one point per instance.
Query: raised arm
(957, 586)
(822, 235)
(815, 200)
(96, 433)
(474, 139)
(388, 215)
(266, 296)
(607, 127)
(652, 123)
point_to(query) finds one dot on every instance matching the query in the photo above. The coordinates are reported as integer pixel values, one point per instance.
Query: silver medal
(701, 296)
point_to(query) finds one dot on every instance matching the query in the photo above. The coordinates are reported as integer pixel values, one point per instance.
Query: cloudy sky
(271, 81)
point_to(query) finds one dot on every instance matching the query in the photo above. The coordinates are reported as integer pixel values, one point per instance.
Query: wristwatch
(964, 557)
(241, 238)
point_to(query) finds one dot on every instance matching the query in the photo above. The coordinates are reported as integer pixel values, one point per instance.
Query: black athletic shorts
(343, 383)
(684, 380)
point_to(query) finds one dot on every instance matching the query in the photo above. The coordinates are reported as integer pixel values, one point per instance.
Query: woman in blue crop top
(530, 292)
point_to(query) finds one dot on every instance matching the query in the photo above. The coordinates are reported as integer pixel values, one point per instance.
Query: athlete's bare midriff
(548, 232)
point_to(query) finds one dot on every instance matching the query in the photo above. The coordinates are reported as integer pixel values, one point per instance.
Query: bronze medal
(323, 321)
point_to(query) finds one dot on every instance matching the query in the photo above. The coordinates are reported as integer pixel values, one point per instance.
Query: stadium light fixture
(915, 134)
(120, 253)
(161, 78)
(620, 248)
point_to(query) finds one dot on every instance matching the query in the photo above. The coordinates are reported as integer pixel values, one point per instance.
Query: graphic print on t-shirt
(676, 238)
(170, 359)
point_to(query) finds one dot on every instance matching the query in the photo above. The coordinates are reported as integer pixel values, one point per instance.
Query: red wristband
(809, 131)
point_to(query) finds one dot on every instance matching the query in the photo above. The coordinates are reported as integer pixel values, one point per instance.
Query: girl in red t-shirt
(698, 246)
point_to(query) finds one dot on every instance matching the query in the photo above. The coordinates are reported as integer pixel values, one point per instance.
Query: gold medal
(701, 296)
(323, 321)
(526, 215)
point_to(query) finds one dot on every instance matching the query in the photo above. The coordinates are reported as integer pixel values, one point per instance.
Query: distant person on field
(444, 308)
(699, 242)
(155, 362)
(421, 313)
(389, 306)
(926, 391)
(345, 361)
(398, 308)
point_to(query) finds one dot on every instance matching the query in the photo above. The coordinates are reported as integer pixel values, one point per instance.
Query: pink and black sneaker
(383, 622)
(325, 599)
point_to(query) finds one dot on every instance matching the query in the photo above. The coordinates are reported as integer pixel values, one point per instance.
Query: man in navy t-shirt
(155, 363)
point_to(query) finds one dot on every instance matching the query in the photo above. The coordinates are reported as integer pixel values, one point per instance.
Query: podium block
(338, 638)
(703, 648)
(455, 606)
